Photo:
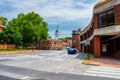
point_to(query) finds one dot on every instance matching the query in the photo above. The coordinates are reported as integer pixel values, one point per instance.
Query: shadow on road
(7, 78)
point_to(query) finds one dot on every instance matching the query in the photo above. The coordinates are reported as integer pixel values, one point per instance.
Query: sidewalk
(18, 52)
(103, 61)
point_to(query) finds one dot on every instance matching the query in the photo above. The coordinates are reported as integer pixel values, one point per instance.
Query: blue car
(72, 51)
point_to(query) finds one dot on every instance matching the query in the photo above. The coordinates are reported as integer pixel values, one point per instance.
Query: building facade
(52, 44)
(76, 38)
(102, 35)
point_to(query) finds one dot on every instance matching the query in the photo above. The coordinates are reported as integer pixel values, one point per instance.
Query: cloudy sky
(68, 14)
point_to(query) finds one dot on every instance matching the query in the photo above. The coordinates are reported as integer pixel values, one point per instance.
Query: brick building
(102, 35)
(67, 43)
(52, 44)
(76, 38)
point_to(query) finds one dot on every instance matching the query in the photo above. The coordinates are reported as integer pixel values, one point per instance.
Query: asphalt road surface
(52, 65)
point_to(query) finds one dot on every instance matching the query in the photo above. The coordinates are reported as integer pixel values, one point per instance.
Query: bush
(86, 58)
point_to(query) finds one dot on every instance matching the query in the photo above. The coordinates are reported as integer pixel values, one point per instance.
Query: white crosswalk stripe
(103, 71)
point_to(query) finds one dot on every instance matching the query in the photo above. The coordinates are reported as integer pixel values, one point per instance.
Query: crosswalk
(103, 71)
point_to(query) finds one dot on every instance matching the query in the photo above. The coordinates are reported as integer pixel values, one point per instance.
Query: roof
(101, 2)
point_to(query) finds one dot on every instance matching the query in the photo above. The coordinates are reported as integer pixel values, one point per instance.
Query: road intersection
(51, 65)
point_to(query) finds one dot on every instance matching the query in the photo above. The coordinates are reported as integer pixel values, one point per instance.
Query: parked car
(72, 51)
(57, 48)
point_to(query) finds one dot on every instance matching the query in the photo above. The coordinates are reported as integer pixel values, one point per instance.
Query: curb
(89, 62)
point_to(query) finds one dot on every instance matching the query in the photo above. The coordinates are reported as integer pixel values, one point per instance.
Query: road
(52, 65)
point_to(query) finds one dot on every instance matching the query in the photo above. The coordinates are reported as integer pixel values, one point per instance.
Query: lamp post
(33, 43)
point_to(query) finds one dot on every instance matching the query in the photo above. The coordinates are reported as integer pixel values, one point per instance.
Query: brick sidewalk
(103, 62)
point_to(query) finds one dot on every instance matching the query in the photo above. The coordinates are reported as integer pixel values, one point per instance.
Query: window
(74, 41)
(81, 38)
(106, 18)
(102, 20)
(110, 17)
(118, 43)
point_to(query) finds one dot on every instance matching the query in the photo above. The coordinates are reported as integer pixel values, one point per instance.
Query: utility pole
(33, 43)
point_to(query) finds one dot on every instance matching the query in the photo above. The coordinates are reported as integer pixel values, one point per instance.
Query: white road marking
(57, 72)
(101, 75)
(103, 72)
(58, 67)
(71, 69)
(25, 77)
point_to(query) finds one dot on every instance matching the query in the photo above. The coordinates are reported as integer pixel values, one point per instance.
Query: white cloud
(53, 11)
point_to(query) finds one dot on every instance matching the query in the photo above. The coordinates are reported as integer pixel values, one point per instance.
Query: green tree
(30, 25)
(61, 38)
(11, 35)
(68, 38)
(4, 21)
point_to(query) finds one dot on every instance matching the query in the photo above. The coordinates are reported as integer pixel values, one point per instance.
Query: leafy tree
(30, 25)
(4, 21)
(61, 38)
(68, 38)
(11, 35)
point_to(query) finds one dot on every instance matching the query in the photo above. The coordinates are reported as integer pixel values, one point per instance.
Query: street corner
(90, 62)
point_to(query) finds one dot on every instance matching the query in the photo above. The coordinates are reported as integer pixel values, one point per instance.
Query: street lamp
(33, 43)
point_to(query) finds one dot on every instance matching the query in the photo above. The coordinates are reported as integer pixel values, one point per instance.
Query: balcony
(112, 30)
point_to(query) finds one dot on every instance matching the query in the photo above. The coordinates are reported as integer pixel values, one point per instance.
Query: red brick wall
(117, 14)
(52, 44)
(95, 21)
(76, 37)
(97, 46)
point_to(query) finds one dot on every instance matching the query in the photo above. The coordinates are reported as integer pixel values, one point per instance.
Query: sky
(68, 14)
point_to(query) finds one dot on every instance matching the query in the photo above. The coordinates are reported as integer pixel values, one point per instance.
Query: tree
(61, 38)
(11, 35)
(30, 25)
(4, 21)
(68, 38)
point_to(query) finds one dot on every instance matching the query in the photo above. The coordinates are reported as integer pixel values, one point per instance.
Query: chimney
(79, 30)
